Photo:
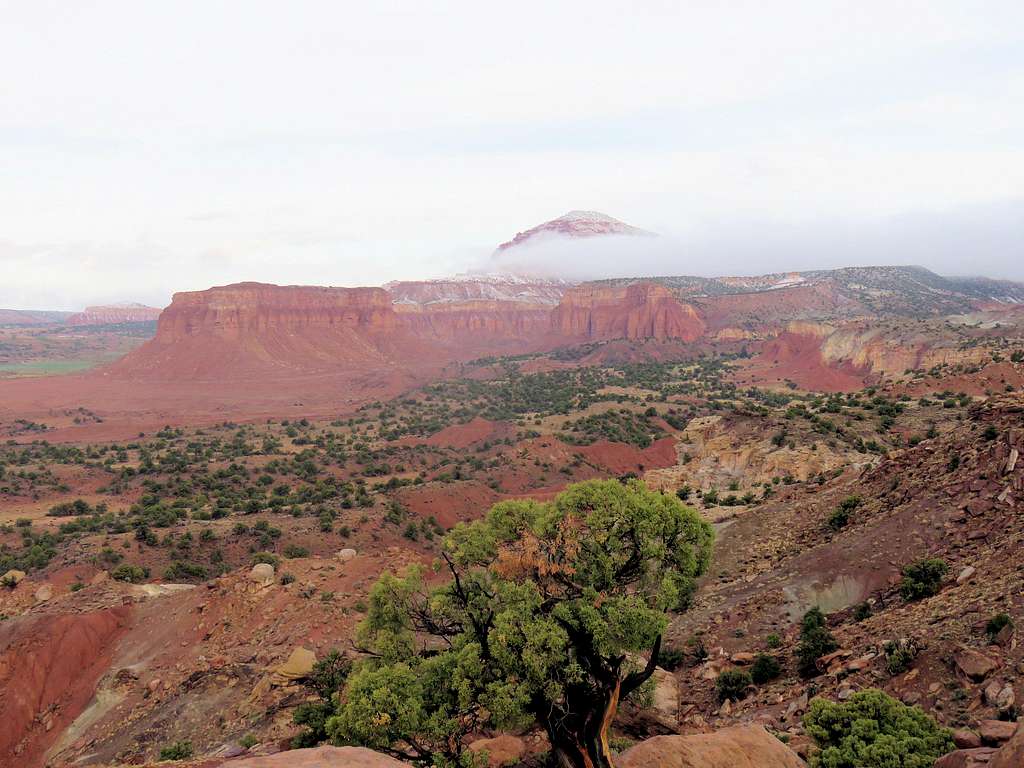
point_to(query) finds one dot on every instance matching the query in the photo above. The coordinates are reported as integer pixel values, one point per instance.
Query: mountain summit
(574, 224)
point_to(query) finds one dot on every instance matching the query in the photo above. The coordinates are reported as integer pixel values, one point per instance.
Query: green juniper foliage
(874, 730)
(543, 606)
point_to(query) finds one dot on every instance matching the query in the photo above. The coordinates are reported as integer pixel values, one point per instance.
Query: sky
(148, 147)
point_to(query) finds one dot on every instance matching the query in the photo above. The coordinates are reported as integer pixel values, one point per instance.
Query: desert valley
(197, 505)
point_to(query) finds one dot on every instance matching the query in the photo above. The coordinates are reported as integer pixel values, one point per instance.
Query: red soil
(49, 666)
(797, 358)
(478, 430)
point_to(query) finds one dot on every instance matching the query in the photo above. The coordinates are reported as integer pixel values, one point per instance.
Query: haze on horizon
(149, 148)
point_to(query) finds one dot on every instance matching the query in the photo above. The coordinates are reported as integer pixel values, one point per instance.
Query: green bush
(874, 730)
(179, 750)
(765, 669)
(815, 642)
(671, 658)
(733, 684)
(922, 578)
(899, 654)
(996, 624)
(130, 573)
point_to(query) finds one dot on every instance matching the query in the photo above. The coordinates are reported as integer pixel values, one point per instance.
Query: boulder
(501, 750)
(344, 555)
(747, 746)
(975, 665)
(1011, 754)
(966, 739)
(967, 758)
(666, 697)
(318, 757)
(995, 732)
(297, 667)
(965, 574)
(13, 577)
(44, 593)
(262, 574)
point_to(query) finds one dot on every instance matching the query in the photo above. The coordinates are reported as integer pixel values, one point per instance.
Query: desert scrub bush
(265, 557)
(764, 669)
(294, 550)
(671, 658)
(815, 642)
(874, 730)
(996, 624)
(899, 654)
(133, 574)
(179, 750)
(773, 641)
(922, 578)
(733, 684)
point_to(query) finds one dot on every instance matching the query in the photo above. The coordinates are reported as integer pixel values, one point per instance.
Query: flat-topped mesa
(243, 309)
(114, 314)
(250, 330)
(638, 311)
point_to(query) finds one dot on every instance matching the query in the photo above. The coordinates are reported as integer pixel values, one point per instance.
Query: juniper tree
(538, 613)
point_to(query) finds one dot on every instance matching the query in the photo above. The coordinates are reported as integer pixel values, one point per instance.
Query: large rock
(344, 555)
(748, 746)
(298, 667)
(12, 578)
(319, 757)
(666, 697)
(262, 574)
(501, 750)
(975, 665)
(1011, 754)
(44, 593)
(995, 732)
(967, 758)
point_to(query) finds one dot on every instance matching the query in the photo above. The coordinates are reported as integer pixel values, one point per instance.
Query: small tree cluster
(815, 642)
(922, 578)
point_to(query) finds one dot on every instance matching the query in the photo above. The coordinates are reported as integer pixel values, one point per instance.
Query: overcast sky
(148, 147)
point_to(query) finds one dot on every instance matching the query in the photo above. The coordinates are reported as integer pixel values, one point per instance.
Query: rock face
(109, 314)
(1011, 754)
(748, 746)
(318, 757)
(574, 224)
(254, 330)
(638, 311)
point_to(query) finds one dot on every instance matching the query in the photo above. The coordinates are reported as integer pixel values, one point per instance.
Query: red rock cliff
(637, 311)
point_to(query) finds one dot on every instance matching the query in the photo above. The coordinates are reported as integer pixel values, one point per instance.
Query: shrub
(838, 519)
(996, 624)
(815, 642)
(765, 669)
(671, 658)
(179, 750)
(265, 557)
(898, 655)
(773, 641)
(922, 578)
(294, 550)
(733, 684)
(873, 730)
(287, 578)
(133, 574)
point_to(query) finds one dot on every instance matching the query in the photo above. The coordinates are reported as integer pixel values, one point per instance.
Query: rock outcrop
(114, 314)
(639, 311)
(748, 746)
